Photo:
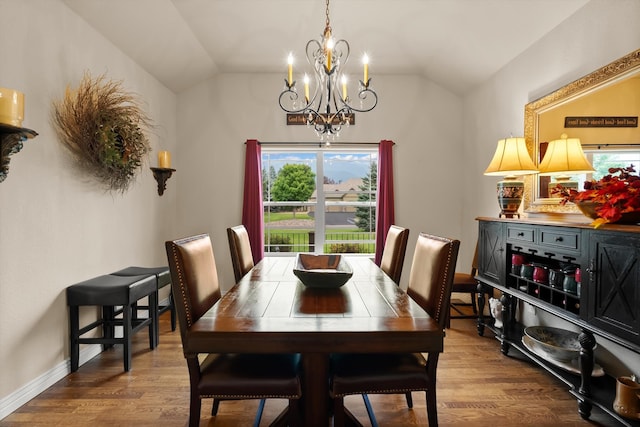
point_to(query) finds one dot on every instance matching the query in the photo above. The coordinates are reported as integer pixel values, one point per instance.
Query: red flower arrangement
(612, 197)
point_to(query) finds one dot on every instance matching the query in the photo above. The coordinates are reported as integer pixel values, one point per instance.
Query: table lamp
(564, 157)
(510, 159)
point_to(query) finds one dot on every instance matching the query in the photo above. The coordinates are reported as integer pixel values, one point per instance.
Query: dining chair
(393, 253)
(223, 376)
(430, 281)
(465, 283)
(240, 247)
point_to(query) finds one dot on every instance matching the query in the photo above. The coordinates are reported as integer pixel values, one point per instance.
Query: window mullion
(320, 209)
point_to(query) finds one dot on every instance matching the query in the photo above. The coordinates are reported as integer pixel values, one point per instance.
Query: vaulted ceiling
(458, 44)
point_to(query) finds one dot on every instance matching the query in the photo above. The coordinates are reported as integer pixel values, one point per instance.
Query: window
(602, 160)
(340, 218)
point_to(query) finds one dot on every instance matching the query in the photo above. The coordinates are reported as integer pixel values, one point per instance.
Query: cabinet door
(491, 252)
(613, 292)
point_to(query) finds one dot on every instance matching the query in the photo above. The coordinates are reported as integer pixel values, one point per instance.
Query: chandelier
(329, 108)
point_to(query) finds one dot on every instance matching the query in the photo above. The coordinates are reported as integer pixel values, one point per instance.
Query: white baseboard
(55, 374)
(44, 381)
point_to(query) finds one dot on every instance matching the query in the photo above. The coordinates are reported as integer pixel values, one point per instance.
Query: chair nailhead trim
(182, 287)
(384, 391)
(249, 396)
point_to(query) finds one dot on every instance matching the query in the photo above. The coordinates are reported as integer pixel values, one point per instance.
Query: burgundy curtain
(252, 211)
(385, 214)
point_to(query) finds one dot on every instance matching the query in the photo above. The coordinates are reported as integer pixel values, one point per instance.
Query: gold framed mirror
(545, 119)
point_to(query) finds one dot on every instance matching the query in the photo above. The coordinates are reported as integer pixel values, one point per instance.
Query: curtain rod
(321, 144)
(637, 146)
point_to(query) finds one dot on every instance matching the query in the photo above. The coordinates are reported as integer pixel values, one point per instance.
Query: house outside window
(340, 218)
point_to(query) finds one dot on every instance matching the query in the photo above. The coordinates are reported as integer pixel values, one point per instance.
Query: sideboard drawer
(521, 234)
(560, 239)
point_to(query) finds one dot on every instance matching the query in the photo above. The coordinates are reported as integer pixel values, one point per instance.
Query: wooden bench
(163, 278)
(116, 295)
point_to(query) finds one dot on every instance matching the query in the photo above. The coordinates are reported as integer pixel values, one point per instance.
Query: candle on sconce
(365, 61)
(290, 63)
(164, 160)
(11, 107)
(344, 87)
(306, 88)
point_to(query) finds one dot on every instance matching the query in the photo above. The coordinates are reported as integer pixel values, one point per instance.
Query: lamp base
(509, 215)
(510, 193)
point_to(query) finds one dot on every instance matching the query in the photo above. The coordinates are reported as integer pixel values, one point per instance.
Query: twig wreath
(103, 127)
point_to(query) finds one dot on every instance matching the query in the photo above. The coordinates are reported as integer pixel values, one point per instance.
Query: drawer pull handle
(520, 234)
(559, 239)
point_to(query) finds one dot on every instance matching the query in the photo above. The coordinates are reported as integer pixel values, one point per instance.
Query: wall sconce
(163, 172)
(564, 157)
(12, 135)
(510, 159)
(11, 139)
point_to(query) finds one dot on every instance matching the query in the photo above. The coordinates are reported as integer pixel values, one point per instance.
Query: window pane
(349, 189)
(603, 160)
(288, 180)
(339, 219)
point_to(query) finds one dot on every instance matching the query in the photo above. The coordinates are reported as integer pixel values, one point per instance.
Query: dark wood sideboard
(607, 305)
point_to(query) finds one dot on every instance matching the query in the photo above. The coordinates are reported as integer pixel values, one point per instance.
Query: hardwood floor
(477, 386)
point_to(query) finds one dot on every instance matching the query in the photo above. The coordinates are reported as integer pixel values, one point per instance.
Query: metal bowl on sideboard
(559, 344)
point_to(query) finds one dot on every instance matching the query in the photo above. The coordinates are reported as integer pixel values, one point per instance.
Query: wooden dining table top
(270, 310)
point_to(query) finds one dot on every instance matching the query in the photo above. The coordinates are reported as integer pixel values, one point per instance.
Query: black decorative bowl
(322, 271)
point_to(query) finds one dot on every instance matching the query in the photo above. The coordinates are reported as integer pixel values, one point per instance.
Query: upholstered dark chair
(240, 247)
(465, 283)
(432, 271)
(393, 253)
(222, 376)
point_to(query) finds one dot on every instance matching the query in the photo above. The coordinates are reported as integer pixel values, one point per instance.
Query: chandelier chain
(327, 23)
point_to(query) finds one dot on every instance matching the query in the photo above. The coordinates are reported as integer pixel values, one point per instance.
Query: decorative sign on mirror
(601, 109)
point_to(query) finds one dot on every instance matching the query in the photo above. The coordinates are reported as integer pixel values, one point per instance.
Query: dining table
(270, 311)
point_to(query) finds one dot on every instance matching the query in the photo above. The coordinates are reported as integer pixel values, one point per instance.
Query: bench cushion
(111, 290)
(162, 273)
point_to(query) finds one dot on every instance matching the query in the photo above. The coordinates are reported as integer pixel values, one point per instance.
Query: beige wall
(596, 35)
(56, 226)
(216, 117)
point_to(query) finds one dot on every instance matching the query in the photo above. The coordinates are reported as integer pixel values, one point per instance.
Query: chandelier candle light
(329, 108)
(510, 159)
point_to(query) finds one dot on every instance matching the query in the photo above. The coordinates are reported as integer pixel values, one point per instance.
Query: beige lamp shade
(511, 158)
(565, 156)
